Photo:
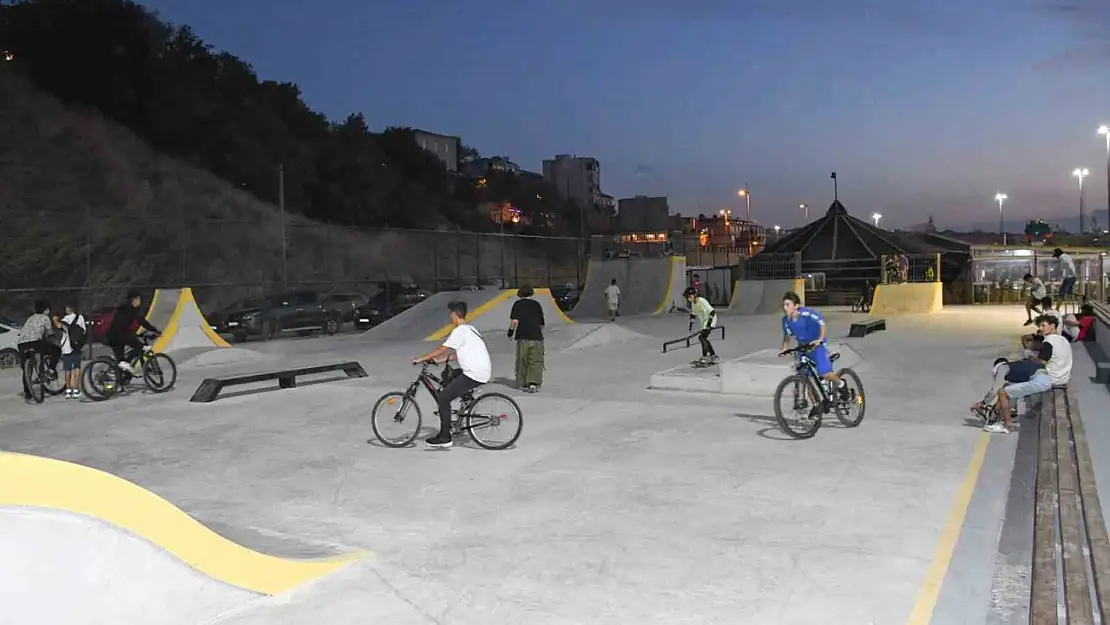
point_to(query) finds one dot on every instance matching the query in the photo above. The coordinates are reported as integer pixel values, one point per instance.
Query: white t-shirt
(472, 353)
(1038, 289)
(612, 294)
(1067, 265)
(1059, 365)
(74, 319)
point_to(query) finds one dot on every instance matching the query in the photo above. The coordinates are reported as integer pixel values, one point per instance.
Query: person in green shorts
(526, 323)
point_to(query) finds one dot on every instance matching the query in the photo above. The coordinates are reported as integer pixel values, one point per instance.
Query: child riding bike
(807, 326)
(121, 337)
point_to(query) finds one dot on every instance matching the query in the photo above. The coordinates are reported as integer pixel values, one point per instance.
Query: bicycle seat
(833, 357)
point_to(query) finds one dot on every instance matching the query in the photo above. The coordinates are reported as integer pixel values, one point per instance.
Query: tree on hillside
(211, 108)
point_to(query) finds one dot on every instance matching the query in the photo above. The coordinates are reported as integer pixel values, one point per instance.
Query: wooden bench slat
(1077, 596)
(1097, 539)
(1042, 605)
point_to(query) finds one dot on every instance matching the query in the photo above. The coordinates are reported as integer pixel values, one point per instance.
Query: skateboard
(702, 364)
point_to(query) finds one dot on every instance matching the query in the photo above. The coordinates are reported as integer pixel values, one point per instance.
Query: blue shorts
(820, 358)
(1067, 287)
(71, 361)
(1039, 383)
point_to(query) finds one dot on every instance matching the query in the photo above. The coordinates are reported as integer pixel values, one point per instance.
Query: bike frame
(806, 368)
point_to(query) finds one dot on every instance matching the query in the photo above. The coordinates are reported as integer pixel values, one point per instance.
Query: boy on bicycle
(807, 326)
(33, 338)
(121, 333)
(466, 345)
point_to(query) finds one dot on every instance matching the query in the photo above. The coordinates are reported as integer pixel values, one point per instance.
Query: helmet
(689, 291)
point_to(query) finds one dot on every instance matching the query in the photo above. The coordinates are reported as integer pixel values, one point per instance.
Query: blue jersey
(806, 328)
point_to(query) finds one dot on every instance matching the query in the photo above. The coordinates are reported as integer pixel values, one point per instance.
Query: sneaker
(713, 358)
(440, 440)
(532, 388)
(1028, 323)
(996, 428)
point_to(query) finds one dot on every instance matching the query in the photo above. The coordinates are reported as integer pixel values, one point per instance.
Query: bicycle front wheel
(100, 379)
(494, 421)
(53, 381)
(32, 377)
(396, 419)
(160, 373)
(850, 410)
(802, 415)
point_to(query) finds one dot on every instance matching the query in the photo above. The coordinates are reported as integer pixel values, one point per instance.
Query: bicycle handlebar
(800, 348)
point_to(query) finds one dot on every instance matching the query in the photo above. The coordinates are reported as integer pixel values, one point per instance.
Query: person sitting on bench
(1005, 372)
(1054, 355)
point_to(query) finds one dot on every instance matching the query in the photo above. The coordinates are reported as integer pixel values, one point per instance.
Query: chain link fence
(92, 260)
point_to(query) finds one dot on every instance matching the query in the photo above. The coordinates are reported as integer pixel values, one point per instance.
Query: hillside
(89, 207)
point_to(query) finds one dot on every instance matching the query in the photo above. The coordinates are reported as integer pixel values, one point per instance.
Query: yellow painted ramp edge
(185, 299)
(442, 333)
(663, 306)
(150, 310)
(878, 300)
(800, 289)
(32, 481)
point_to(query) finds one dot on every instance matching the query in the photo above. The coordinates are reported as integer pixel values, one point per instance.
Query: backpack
(77, 335)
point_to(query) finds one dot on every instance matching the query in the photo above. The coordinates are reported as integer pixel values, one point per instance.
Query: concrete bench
(863, 328)
(1065, 490)
(210, 388)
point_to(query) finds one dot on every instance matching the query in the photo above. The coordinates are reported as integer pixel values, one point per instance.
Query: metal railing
(768, 266)
(899, 268)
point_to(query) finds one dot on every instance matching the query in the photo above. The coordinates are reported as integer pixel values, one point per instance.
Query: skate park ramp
(907, 298)
(763, 297)
(755, 375)
(493, 314)
(590, 335)
(649, 286)
(184, 328)
(81, 545)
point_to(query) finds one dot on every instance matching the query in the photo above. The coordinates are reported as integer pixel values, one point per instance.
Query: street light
(726, 213)
(876, 217)
(805, 207)
(1000, 198)
(744, 193)
(1080, 173)
(777, 233)
(1105, 130)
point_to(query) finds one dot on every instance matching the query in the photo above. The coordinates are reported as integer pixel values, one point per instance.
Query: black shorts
(1067, 287)
(71, 361)
(1045, 302)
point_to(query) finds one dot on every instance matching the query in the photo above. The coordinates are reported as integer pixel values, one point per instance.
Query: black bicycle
(493, 420)
(103, 378)
(41, 376)
(863, 304)
(813, 397)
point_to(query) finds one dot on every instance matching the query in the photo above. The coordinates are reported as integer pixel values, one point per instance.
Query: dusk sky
(923, 107)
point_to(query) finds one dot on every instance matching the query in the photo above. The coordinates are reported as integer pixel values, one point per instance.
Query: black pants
(49, 351)
(706, 346)
(120, 345)
(456, 388)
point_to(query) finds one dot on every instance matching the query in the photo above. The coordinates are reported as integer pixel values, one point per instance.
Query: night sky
(923, 107)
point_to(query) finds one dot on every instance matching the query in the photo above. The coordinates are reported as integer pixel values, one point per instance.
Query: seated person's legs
(1039, 383)
(456, 388)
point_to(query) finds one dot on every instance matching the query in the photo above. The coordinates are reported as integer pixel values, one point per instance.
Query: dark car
(344, 304)
(303, 312)
(99, 321)
(386, 304)
(566, 296)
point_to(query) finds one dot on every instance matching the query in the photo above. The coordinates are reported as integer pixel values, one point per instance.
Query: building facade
(483, 166)
(577, 178)
(642, 214)
(445, 147)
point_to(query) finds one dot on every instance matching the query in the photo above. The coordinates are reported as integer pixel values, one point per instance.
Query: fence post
(937, 265)
(477, 259)
(882, 269)
(435, 263)
(88, 247)
(458, 259)
(797, 264)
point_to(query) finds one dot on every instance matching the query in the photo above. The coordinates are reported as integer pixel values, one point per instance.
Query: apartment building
(445, 147)
(577, 178)
(642, 214)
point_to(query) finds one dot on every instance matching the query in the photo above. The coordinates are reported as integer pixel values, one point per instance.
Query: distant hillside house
(483, 166)
(445, 147)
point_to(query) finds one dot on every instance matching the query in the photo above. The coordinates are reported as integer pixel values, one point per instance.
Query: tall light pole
(777, 230)
(744, 193)
(1080, 173)
(1105, 131)
(805, 207)
(1000, 198)
(876, 217)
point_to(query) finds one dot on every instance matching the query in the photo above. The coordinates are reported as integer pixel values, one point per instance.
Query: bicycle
(103, 378)
(470, 419)
(863, 304)
(42, 379)
(813, 395)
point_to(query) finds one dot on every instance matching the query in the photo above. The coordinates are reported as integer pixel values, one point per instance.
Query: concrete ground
(618, 504)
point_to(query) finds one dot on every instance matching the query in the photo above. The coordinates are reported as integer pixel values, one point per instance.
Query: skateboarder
(613, 299)
(702, 311)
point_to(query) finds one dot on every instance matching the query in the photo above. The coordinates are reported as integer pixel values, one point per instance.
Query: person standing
(702, 312)
(1067, 272)
(526, 323)
(34, 337)
(613, 299)
(74, 336)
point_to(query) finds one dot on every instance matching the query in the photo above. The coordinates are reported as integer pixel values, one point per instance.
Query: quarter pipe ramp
(763, 297)
(907, 298)
(176, 314)
(649, 286)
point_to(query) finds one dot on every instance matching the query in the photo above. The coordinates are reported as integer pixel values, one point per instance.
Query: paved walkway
(619, 504)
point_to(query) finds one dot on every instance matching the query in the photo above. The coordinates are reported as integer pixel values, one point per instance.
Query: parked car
(344, 304)
(99, 320)
(566, 296)
(9, 338)
(302, 312)
(386, 304)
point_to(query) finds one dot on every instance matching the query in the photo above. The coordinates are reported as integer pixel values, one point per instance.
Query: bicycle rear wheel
(54, 382)
(101, 379)
(802, 417)
(494, 421)
(32, 377)
(396, 419)
(850, 412)
(160, 373)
